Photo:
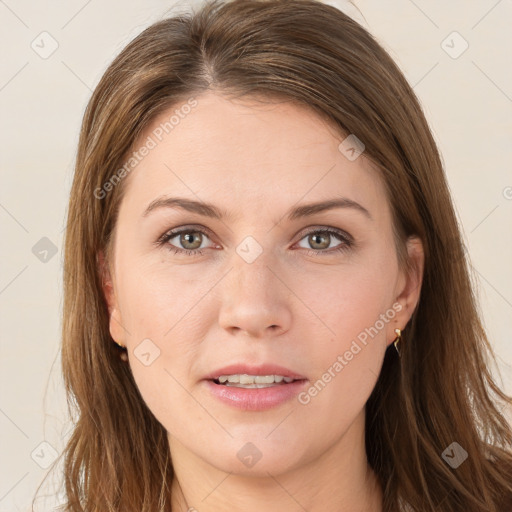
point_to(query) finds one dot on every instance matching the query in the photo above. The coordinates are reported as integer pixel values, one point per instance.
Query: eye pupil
(316, 236)
(184, 239)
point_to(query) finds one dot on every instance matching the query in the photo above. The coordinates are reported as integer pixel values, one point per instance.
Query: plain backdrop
(455, 54)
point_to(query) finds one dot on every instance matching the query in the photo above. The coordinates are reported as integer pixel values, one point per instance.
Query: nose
(255, 299)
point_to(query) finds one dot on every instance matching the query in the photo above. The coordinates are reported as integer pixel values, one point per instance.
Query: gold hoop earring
(123, 355)
(397, 341)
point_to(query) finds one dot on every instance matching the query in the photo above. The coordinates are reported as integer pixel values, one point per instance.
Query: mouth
(254, 387)
(253, 376)
(248, 395)
(247, 381)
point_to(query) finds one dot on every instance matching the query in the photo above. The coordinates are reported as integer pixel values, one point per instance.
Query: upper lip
(248, 369)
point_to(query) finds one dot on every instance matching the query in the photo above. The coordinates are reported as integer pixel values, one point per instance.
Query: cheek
(353, 312)
(348, 301)
(164, 391)
(157, 302)
(171, 309)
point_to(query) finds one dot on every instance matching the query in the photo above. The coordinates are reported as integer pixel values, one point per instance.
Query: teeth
(245, 379)
(250, 386)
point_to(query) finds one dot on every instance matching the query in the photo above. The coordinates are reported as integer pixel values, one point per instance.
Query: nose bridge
(254, 265)
(253, 299)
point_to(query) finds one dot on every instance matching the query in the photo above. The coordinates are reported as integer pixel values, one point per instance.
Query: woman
(266, 300)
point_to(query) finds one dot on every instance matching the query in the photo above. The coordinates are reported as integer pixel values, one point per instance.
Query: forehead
(249, 154)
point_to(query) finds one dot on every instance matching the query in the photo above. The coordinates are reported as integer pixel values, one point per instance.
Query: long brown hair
(439, 392)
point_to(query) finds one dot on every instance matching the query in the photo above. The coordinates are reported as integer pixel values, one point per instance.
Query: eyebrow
(210, 210)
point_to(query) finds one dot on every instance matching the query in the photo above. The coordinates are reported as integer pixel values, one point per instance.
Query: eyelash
(347, 241)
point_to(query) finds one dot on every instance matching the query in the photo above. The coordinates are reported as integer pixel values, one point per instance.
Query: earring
(397, 341)
(123, 355)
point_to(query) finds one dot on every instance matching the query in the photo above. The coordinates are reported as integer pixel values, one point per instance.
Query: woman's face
(257, 278)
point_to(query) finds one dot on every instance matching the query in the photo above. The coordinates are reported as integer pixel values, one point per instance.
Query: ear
(107, 283)
(408, 286)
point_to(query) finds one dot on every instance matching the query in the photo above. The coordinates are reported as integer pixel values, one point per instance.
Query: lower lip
(256, 399)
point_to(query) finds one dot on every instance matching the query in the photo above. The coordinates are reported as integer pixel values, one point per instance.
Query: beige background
(467, 99)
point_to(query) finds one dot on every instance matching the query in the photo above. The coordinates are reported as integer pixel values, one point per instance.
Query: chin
(256, 459)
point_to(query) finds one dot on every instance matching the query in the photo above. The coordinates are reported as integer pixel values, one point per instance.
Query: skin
(205, 311)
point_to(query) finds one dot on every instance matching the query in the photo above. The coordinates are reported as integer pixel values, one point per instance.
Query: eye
(321, 239)
(185, 240)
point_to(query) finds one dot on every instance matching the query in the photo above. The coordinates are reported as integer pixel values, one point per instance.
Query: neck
(339, 479)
